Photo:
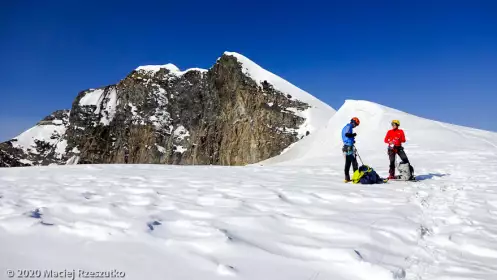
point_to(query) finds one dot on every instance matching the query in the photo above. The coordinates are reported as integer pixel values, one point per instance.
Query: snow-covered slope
(49, 133)
(44, 141)
(423, 135)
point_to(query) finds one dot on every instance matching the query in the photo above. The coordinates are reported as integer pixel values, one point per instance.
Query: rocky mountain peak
(235, 113)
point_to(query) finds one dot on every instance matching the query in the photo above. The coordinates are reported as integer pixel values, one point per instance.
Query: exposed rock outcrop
(159, 114)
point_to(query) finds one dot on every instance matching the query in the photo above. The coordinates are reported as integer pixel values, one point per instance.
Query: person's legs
(355, 166)
(391, 157)
(348, 162)
(403, 155)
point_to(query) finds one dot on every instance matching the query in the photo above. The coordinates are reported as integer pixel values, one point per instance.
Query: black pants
(349, 160)
(391, 155)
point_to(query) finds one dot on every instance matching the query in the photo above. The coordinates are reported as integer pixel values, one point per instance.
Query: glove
(354, 134)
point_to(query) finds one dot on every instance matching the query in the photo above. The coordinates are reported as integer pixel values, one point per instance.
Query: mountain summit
(235, 113)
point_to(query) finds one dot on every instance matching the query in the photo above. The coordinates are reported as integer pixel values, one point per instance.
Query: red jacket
(395, 137)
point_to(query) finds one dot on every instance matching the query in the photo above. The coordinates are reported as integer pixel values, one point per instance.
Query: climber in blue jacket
(348, 137)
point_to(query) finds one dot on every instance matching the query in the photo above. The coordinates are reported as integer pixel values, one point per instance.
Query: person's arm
(402, 137)
(349, 133)
(387, 137)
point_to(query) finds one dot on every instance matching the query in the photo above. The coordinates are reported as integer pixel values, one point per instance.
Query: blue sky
(436, 60)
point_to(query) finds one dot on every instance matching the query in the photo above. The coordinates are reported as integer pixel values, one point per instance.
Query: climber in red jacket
(394, 138)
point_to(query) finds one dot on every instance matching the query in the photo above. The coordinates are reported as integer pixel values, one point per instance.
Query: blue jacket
(346, 140)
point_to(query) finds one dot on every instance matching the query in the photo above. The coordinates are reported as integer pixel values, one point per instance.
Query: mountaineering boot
(391, 174)
(347, 178)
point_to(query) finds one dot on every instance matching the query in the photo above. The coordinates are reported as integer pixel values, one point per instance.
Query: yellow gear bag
(356, 178)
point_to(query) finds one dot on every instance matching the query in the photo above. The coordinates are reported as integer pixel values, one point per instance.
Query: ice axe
(357, 153)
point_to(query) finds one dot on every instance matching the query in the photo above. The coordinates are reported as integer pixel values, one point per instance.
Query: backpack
(358, 174)
(366, 175)
(406, 171)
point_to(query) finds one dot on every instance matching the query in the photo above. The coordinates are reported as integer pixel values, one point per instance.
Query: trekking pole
(357, 153)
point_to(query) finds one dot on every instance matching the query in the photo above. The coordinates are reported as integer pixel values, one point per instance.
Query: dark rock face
(164, 116)
(10, 156)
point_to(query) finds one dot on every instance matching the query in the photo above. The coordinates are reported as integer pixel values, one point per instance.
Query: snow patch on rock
(161, 149)
(156, 68)
(105, 102)
(180, 149)
(92, 98)
(134, 110)
(173, 69)
(26, 161)
(109, 105)
(60, 149)
(181, 133)
(73, 160)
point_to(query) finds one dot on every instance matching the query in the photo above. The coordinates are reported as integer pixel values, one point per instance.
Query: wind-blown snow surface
(292, 220)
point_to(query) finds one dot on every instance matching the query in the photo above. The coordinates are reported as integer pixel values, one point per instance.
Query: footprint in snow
(88, 195)
(399, 274)
(227, 270)
(37, 214)
(151, 225)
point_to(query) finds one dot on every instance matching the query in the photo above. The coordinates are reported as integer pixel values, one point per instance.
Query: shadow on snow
(430, 176)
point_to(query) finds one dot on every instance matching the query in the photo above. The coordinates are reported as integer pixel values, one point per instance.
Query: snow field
(221, 221)
(257, 222)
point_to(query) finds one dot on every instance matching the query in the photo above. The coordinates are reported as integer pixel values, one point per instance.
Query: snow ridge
(173, 69)
(375, 122)
(316, 117)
